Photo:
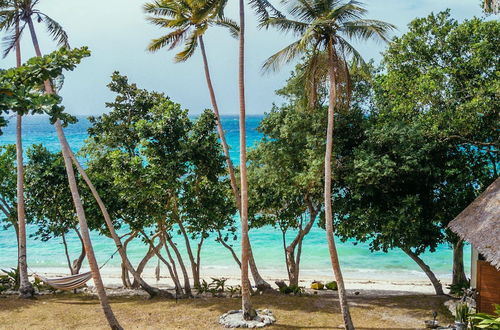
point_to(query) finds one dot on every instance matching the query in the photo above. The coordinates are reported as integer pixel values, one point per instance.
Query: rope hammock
(70, 282)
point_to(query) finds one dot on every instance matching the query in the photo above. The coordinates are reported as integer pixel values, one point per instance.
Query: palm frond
(10, 41)
(346, 12)
(264, 9)
(172, 40)
(232, 26)
(190, 46)
(364, 29)
(160, 8)
(347, 50)
(55, 30)
(304, 10)
(285, 25)
(286, 55)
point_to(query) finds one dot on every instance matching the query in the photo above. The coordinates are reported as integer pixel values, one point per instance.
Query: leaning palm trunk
(248, 312)
(260, 283)
(25, 288)
(66, 153)
(328, 193)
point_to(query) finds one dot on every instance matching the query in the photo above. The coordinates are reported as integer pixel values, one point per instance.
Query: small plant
(233, 289)
(332, 285)
(486, 321)
(459, 289)
(295, 289)
(461, 313)
(11, 279)
(218, 283)
(203, 287)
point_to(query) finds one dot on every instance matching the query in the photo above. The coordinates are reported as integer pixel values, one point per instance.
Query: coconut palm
(189, 20)
(25, 12)
(324, 30)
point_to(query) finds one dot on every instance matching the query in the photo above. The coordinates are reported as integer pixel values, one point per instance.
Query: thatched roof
(479, 224)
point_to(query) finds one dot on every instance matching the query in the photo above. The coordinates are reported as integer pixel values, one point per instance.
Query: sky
(117, 34)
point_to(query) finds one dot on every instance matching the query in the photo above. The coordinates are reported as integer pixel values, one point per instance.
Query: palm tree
(189, 20)
(25, 12)
(9, 20)
(323, 29)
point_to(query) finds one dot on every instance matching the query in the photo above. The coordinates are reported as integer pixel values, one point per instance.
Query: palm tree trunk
(66, 153)
(220, 130)
(107, 218)
(259, 281)
(328, 194)
(25, 288)
(248, 312)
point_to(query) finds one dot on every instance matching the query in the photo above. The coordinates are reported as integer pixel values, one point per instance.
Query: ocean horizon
(357, 260)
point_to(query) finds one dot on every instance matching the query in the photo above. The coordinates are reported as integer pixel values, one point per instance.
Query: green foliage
(49, 204)
(154, 167)
(331, 285)
(292, 289)
(461, 313)
(188, 20)
(459, 289)
(486, 321)
(11, 279)
(215, 287)
(445, 75)
(21, 90)
(8, 181)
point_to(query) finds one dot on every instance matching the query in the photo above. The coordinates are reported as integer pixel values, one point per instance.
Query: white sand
(389, 284)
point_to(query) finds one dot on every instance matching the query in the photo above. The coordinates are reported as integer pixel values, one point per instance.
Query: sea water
(356, 259)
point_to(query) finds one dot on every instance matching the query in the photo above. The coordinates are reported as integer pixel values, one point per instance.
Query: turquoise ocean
(357, 260)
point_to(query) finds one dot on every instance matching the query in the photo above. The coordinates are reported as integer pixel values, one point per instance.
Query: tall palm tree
(323, 29)
(10, 23)
(25, 12)
(189, 20)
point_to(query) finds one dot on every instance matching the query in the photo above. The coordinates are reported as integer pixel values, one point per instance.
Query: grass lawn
(65, 311)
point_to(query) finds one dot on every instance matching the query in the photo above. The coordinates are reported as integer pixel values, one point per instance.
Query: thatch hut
(479, 224)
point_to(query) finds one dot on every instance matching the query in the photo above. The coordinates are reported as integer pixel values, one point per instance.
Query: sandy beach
(373, 285)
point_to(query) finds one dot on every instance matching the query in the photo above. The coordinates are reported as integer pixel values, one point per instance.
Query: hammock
(70, 282)
(66, 283)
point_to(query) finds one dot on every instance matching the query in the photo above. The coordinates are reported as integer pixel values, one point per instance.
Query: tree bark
(77, 263)
(438, 287)
(125, 274)
(187, 285)
(144, 262)
(292, 260)
(25, 288)
(66, 252)
(194, 264)
(66, 152)
(248, 312)
(458, 276)
(328, 193)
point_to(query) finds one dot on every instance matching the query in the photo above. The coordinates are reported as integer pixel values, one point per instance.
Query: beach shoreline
(366, 285)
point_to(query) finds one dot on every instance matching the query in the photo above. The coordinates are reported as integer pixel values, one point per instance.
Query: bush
(295, 289)
(486, 321)
(332, 285)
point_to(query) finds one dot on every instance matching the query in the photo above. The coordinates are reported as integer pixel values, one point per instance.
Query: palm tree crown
(317, 23)
(20, 12)
(189, 20)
